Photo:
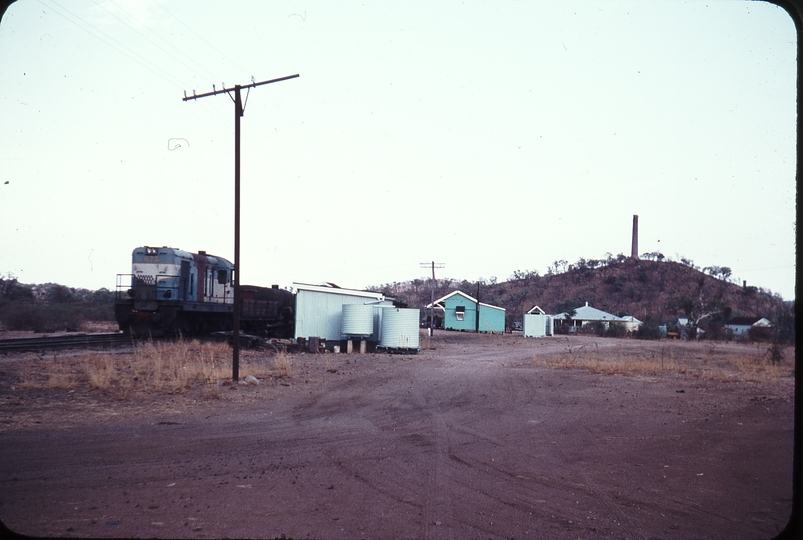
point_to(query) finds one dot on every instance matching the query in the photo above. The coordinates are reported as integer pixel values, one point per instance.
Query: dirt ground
(471, 438)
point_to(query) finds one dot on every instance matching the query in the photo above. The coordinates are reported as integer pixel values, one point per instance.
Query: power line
(150, 40)
(238, 112)
(141, 61)
(121, 48)
(259, 122)
(201, 37)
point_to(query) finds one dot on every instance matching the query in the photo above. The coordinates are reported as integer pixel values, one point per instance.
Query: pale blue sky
(490, 136)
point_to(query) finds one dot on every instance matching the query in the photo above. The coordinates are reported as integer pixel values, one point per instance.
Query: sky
(489, 137)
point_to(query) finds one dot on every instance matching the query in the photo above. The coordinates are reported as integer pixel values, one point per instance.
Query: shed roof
(748, 321)
(330, 288)
(439, 302)
(589, 313)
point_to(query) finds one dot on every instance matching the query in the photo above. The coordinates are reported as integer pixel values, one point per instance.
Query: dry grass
(284, 368)
(59, 381)
(714, 361)
(101, 371)
(425, 340)
(327, 363)
(161, 367)
(177, 367)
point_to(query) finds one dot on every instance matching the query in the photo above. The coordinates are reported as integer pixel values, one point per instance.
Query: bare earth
(467, 439)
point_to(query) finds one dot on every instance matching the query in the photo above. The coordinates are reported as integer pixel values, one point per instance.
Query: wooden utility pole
(477, 320)
(432, 293)
(239, 110)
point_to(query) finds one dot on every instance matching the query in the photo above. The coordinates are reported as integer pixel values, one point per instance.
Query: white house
(630, 323)
(740, 326)
(587, 314)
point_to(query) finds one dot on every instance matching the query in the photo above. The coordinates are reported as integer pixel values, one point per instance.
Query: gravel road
(465, 440)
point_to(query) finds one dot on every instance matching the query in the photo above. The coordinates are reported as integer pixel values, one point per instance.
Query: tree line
(51, 307)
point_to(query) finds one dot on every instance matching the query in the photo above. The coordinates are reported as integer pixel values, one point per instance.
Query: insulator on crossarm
(185, 93)
(193, 91)
(213, 88)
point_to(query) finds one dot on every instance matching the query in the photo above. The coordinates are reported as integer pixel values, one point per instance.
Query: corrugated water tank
(400, 328)
(357, 320)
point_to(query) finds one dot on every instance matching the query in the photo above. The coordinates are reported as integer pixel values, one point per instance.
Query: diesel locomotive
(172, 291)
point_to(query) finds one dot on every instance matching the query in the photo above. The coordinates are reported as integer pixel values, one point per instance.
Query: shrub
(27, 315)
(41, 318)
(17, 315)
(649, 329)
(616, 330)
(757, 333)
(596, 327)
(562, 329)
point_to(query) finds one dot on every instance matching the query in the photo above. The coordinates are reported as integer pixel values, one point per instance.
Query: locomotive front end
(172, 291)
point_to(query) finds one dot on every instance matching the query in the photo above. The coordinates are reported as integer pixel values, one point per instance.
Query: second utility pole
(432, 294)
(239, 110)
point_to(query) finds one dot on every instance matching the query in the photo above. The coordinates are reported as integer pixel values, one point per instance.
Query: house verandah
(586, 314)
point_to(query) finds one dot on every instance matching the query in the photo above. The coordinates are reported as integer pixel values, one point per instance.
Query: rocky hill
(660, 291)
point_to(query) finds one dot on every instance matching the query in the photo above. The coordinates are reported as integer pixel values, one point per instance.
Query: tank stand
(350, 346)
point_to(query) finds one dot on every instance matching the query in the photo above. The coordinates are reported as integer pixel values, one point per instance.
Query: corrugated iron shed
(319, 308)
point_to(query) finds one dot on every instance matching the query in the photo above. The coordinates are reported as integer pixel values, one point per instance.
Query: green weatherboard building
(460, 313)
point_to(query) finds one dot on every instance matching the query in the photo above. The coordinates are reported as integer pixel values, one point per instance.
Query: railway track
(65, 342)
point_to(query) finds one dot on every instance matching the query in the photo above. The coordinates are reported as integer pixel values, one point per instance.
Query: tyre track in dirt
(508, 479)
(417, 418)
(437, 502)
(465, 468)
(441, 410)
(407, 423)
(600, 494)
(469, 441)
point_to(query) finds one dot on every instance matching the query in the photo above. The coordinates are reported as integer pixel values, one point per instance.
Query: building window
(460, 312)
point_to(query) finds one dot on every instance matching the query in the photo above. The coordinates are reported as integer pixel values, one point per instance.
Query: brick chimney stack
(634, 245)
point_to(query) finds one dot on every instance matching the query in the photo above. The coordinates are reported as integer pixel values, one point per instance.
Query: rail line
(65, 342)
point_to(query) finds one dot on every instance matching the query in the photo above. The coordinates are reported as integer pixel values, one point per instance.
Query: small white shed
(537, 323)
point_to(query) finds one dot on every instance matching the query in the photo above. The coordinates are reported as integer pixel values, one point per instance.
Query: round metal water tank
(357, 320)
(400, 328)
